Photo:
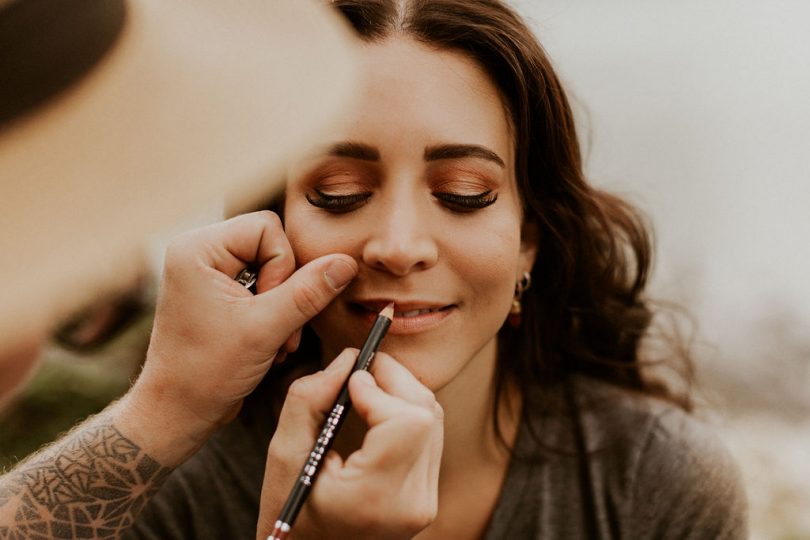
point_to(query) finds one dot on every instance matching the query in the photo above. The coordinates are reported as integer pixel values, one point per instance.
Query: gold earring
(516, 311)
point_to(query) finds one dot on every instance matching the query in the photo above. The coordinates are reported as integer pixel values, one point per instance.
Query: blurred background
(695, 111)
(698, 112)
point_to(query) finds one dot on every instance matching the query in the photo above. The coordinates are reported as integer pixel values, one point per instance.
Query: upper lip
(377, 304)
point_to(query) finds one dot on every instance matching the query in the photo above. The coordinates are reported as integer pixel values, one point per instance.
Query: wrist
(168, 431)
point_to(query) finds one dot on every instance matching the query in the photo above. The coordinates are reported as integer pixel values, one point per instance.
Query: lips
(409, 316)
(401, 309)
(416, 312)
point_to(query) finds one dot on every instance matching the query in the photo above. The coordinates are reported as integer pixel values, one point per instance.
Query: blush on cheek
(305, 245)
(311, 237)
(489, 261)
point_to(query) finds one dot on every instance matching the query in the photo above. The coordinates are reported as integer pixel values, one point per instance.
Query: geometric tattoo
(91, 485)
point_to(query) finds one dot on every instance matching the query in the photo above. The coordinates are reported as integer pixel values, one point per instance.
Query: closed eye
(466, 203)
(337, 204)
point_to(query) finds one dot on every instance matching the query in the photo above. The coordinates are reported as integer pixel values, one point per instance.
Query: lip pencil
(340, 409)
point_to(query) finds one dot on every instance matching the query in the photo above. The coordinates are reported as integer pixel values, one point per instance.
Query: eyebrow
(354, 150)
(365, 152)
(457, 151)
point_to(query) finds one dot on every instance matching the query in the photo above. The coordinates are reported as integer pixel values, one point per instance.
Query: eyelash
(340, 204)
(466, 203)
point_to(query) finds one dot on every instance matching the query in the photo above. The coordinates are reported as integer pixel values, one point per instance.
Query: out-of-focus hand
(213, 341)
(386, 489)
(17, 361)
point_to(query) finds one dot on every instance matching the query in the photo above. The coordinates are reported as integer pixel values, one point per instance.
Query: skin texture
(429, 406)
(429, 123)
(91, 487)
(211, 344)
(410, 246)
(353, 497)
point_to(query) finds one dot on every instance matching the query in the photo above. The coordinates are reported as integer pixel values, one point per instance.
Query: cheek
(311, 238)
(305, 245)
(492, 249)
(487, 260)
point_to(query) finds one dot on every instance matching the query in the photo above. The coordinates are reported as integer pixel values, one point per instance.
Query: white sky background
(700, 113)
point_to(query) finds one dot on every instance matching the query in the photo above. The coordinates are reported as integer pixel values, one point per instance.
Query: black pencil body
(309, 472)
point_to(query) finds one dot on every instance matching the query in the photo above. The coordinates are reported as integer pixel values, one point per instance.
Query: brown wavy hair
(586, 311)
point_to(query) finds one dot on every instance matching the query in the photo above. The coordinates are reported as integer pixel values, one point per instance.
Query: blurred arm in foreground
(127, 108)
(134, 118)
(95, 480)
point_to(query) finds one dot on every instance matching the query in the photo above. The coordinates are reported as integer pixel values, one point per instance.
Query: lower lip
(419, 323)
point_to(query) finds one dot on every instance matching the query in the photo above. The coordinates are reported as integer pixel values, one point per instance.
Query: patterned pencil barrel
(326, 437)
(322, 445)
(309, 471)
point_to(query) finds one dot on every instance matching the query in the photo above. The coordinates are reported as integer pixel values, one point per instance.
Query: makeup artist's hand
(388, 488)
(213, 341)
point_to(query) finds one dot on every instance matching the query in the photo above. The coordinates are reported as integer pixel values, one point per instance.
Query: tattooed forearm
(91, 484)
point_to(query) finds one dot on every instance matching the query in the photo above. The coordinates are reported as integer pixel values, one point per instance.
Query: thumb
(306, 292)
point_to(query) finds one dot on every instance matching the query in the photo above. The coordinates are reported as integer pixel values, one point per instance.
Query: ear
(529, 242)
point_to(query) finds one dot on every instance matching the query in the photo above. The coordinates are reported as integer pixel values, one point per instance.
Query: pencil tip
(388, 311)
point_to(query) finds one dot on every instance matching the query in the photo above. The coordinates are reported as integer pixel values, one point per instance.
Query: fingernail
(339, 274)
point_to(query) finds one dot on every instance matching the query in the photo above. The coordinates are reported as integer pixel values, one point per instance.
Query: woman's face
(419, 186)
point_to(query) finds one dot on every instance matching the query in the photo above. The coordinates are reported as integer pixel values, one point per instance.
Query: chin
(429, 365)
(436, 360)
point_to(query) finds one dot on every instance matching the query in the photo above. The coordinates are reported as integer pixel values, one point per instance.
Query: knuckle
(270, 221)
(419, 516)
(300, 389)
(275, 453)
(438, 411)
(285, 261)
(421, 419)
(272, 218)
(307, 299)
(280, 460)
(425, 398)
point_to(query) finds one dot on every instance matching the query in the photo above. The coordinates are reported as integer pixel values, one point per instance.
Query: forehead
(412, 95)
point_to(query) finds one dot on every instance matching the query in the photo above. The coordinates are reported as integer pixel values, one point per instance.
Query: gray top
(653, 472)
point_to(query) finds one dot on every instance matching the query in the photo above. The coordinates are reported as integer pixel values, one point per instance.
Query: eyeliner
(309, 472)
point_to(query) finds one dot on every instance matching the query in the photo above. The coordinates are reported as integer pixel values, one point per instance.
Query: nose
(403, 239)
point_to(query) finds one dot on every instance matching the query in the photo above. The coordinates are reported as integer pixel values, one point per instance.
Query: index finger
(399, 431)
(397, 380)
(256, 239)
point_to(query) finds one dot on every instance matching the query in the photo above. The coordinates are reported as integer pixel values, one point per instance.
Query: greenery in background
(67, 388)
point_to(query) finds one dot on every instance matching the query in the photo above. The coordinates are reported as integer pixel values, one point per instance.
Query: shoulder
(651, 470)
(678, 479)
